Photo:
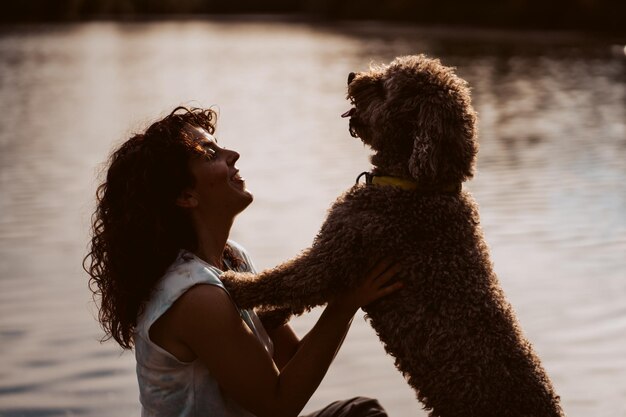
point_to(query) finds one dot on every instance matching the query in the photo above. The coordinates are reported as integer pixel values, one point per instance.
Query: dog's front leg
(298, 284)
(275, 317)
(334, 262)
(277, 293)
(258, 291)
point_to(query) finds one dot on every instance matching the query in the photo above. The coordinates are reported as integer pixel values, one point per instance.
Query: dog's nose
(351, 77)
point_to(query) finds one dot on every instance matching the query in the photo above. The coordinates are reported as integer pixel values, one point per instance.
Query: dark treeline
(598, 15)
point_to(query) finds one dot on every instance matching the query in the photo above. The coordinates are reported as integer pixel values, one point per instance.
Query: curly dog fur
(453, 334)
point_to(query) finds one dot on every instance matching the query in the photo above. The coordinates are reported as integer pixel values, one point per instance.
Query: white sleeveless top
(167, 386)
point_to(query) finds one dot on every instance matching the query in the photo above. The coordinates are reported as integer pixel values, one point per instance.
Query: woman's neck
(211, 238)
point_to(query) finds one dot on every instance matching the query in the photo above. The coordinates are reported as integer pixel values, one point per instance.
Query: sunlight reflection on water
(550, 186)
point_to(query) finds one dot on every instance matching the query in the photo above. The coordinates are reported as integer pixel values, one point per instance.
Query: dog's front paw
(274, 318)
(240, 286)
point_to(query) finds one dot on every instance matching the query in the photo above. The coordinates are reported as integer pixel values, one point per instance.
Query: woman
(160, 241)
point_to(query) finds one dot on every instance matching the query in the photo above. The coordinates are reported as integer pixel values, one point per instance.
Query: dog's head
(416, 114)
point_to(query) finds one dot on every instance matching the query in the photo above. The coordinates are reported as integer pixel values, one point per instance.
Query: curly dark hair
(137, 228)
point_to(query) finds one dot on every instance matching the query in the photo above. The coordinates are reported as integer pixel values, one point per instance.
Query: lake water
(551, 185)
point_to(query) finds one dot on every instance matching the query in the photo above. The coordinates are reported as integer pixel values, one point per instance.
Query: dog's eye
(351, 77)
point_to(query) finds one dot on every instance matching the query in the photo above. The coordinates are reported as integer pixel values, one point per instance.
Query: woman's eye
(209, 153)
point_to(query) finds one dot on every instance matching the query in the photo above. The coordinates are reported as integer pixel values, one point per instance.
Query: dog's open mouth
(353, 127)
(353, 123)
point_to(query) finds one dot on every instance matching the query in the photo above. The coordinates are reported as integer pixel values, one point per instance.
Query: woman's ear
(187, 199)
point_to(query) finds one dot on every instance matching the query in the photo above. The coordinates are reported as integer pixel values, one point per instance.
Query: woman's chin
(247, 195)
(244, 194)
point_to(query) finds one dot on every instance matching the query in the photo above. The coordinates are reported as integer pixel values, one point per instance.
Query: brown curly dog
(453, 334)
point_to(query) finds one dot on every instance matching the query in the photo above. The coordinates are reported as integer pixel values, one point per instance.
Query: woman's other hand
(377, 283)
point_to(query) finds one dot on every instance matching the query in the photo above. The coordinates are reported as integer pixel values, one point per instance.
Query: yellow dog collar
(395, 182)
(372, 179)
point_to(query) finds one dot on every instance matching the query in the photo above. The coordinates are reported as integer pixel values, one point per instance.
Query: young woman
(160, 242)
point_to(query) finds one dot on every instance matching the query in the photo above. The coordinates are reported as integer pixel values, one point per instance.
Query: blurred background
(78, 77)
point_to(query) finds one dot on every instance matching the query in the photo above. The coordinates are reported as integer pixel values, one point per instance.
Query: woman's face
(218, 187)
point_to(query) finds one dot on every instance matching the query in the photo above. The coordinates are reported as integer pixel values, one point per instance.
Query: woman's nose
(233, 156)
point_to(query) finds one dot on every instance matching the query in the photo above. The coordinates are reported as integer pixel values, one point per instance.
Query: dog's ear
(444, 146)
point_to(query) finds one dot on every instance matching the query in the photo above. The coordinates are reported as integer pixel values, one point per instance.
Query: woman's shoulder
(189, 269)
(186, 272)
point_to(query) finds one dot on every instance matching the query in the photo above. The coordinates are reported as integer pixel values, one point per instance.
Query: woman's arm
(286, 344)
(206, 320)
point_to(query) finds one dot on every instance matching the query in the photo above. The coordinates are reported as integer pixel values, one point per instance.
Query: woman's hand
(375, 285)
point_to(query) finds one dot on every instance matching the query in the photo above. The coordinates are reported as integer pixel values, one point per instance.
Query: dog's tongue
(348, 113)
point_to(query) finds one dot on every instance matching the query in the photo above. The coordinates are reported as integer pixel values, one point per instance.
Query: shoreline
(477, 31)
(365, 27)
